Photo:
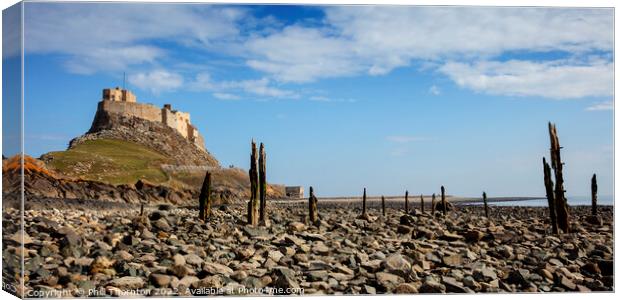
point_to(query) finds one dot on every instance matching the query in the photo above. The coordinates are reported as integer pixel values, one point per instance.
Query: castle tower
(118, 94)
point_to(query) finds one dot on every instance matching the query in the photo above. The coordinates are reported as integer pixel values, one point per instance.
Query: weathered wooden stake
(561, 203)
(433, 205)
(253, 204)
(486, 206)
(313, 210)
(422, 202)
(383, 205)
(443, 201)
(364, 203)
(406, 202)
(550, 197)
(262, 171)
(594, 187)
(204, 200)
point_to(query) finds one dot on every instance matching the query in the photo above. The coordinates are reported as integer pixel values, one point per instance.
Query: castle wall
(182, 123)
(140, 110)
(194, 136)
(128, 96)
(123, 102)
(169, 118)
(177, 120)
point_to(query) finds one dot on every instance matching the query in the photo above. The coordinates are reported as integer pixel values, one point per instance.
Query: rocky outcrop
(156, 136)
(41, 183)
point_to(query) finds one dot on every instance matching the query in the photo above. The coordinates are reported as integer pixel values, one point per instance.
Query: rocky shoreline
(168, 251)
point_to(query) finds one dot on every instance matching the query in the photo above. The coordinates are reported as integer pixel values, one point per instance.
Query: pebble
(127, 283)
(397, 264)
(160, 280)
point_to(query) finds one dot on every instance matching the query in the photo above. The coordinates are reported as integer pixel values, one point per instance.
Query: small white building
(294, 192)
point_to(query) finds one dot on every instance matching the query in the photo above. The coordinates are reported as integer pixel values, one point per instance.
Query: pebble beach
(168, 251)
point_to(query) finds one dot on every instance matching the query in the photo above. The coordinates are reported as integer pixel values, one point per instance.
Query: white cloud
(11, 35)
(402, 139)
(558, 79)
(392, 35)
(434, 90)
(112, 59)
(608, 105)
(299, 54)
(320, 98)
(348, 41)
(156, 81)
(377, 39)
(111, 37)
(260, 87)
(225, 96)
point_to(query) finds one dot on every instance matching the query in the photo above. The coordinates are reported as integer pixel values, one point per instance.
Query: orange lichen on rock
(31, 165)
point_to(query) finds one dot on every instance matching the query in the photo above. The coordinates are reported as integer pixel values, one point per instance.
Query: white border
(561, 3)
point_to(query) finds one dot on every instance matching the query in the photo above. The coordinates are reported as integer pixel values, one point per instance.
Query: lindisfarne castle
(123, 102)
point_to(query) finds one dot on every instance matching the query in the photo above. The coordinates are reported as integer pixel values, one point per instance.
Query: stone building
(294, 192)
(121, 101)
(117, 94)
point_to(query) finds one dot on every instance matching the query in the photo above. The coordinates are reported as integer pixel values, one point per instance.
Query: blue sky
(388, 98)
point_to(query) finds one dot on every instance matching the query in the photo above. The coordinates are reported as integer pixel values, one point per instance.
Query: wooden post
(594, 188)
(253, 204)
(443, 201)
(486, 206)
(383, 205)
(422, 202)
(433, 205)
(550, 197)
(561, 203)
(313, 211)
(406, 202)
(262, 170)
(364, 203)
(204, 200)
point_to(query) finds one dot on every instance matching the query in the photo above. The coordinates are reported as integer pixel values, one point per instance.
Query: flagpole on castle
(123, 80)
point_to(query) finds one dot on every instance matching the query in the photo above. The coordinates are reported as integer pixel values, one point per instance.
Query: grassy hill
(111, 161)
(122, 162)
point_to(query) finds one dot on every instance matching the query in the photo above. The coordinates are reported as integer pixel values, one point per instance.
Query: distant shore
(416, 199)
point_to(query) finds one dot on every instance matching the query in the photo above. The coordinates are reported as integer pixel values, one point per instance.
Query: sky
(390, 98)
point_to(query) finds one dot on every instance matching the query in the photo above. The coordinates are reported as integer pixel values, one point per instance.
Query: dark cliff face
(156, 136)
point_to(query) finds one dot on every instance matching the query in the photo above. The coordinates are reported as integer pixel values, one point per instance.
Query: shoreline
(391, 202)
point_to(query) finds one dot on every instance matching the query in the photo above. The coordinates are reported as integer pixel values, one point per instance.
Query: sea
(572, 201)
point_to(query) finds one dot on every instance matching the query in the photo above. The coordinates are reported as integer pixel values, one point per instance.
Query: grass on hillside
(122, 162)
(111, 161)
(233, 178)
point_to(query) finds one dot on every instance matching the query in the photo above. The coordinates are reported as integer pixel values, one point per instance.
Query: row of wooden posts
(443, 202)
(558, 206)
(258, 189)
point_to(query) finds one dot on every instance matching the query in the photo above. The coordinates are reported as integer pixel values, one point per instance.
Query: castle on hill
(123, 102)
